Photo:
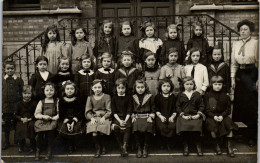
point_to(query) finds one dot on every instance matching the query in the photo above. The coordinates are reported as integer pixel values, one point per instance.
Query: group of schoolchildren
(125, 86)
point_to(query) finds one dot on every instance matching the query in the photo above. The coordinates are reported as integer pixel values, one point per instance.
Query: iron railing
(214, 31)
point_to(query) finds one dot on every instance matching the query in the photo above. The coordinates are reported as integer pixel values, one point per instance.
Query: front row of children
(140, 114)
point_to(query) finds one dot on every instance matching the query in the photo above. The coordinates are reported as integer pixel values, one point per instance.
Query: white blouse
(250, 57)
(150, 44)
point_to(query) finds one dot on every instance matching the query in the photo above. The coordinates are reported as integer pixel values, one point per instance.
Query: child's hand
(186, 117)
(133, 120)
(66, 120)
(220, 118)
(102, 120)
(122, 123)
(75, 119)
(187, 55)
(197, 116)
(171, 119)
(54, 118)
(216, 118)
(139, 66)
(149, 120)
(46, 117)
(93, 121)
(201, 92)
(163, 119)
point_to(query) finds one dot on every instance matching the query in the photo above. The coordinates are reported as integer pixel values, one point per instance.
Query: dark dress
(223, 70)
(191, 106)
(202, 44)
(37, 83)
(143, 105)
(84, 79)
(218, 103)
(172, 43)
(122, 106)
(106, 44)
(166, 106)
(25, 110)
(131, 74)
(123, 44)
(61, 77)
(69, 110)
(109, 76)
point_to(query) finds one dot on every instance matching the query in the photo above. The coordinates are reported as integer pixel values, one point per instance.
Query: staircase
(215, 31)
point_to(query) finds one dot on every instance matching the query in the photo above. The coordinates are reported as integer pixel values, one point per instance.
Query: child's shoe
(124, 150)
(139, 151)
(145, 151)
(185, 149)
(37, 154)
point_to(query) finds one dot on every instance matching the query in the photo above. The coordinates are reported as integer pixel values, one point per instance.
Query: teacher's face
(244, 31)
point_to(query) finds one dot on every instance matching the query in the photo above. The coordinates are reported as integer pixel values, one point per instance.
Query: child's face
(9, 69)
(64, 65)
(120, 89)
(149, 31)
(52, 35)
(166, 87)
(188, 86)
(195, 57)
(140, 88)
(216, 55)
(42, 66)
(150, 61)
(172, 33)
(49, 91)
(97, 89)
(86, 64)
(198, 30)
(217, 86)
(173, 57)
(69, 90)
(106, 62)
(27, 96)
(107, 28)
(126, 30)
(79, 34)
(127, 61)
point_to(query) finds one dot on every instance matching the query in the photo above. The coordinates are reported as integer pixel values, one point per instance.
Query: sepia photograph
(130, 81)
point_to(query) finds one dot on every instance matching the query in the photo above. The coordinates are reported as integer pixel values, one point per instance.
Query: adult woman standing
(244, 79)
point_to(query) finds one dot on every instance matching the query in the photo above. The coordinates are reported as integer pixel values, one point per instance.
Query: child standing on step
(218, 66)
(197, 71)
(52, 48)
(151, 72)
(106, 40)
(25, 116)
(199, 41)
(172, 40)
(172, 69)
(47, 114)
(127, 69)
(107, 73)
(218, 109)
(143, 117)
(122, 110)
(84, 77)
(64, 73)
(97, 112)
(12, 87)
(190, 108)
(40, 78)
(80, 46)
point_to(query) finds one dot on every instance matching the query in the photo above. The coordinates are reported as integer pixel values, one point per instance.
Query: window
(21, 5)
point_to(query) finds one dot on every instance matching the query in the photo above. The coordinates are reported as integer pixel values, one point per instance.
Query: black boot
(21, 145)
(185, 149)
(97, 154)
(37, 154)
(145, 151)
(230, 148)
(198, 146)
(139, 151)
(218, 150)
(32, 146)
(124, 150)
(49, 154)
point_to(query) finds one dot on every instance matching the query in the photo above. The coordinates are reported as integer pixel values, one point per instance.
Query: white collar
(102, 70)
(14, 76)
(121, 95)
(91, 72)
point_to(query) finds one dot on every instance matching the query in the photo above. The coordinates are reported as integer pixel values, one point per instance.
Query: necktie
(242, 49)
(192, 71)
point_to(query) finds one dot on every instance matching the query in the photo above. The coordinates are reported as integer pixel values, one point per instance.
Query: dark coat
(37, 83)
(109, 78)
(59, 78)
(11, 93)
(123, 44)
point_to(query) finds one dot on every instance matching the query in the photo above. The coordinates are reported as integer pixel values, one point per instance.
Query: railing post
(230, 48)
(214, 32)
(20, 64)
(182, 28)
(27, 63)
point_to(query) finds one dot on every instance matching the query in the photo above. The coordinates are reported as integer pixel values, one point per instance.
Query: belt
(142, 115)
(151, 78)
(246, 66)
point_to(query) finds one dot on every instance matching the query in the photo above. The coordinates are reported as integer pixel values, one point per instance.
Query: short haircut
(41, 58)
(186, 79)
(163, 81)
(216, 79)
(141, 81)
(192, 50)
(9, 63)
(27, 88)
(121, 81)
(68, 82)
(87, 56)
